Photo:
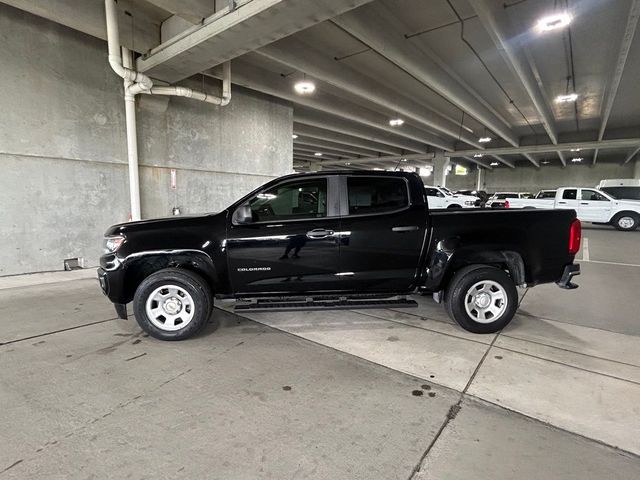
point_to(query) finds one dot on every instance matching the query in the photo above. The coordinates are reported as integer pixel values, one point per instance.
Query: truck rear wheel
(626, 221)
(172, 304)
(481, 299)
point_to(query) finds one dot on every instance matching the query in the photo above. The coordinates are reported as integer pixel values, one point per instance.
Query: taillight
(575, 236)
(506, 204)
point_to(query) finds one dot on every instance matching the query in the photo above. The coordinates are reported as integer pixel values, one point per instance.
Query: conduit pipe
(136, 82)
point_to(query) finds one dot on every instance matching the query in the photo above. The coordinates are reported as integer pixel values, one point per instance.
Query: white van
(621, 188)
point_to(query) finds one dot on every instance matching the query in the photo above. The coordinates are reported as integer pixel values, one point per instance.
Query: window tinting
(629, 193)
(549, 194)
(431, 192)
(376, 195)
(570, 194)
(290, 201)
(592, 195)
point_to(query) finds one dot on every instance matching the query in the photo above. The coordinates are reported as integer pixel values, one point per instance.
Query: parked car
(497, 200)
(621, 188)
(591, 205)
(335, 239)
(441, 197)
(481, 195)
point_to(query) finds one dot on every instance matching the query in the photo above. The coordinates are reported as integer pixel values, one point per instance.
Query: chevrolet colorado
(335, 239)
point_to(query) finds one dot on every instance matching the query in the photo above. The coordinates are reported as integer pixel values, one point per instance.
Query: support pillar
(480, 179)
(440, 164)
(636, 169)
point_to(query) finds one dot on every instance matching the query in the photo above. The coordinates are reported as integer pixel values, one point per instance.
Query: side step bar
(322, 302)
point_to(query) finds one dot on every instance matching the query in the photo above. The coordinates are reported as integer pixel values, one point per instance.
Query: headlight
(112, 243)
(469, 203)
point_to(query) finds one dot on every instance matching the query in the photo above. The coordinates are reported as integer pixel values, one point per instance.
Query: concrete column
(440, 164)
(480, 179)
(636, 169)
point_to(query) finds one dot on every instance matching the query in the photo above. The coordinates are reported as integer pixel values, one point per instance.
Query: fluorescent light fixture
(553, 22)
(396, 122)
(348, 163)
(570, 97)
(546, 162)
(576, 159)
(403, 160)
(318, 154)
(494, 164)
(484, 139)
(378, 169)
(304, 87)
(294, 136)
(575, 149)
(477, 155)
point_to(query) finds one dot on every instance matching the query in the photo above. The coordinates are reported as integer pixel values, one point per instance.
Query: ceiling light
(404, 160)
(546, 162)
(484, 139)
(294, 136)
(318, 154)
(575, 149)
(576, 159)
(552, 22)
(304, 87)
(348, 163)
(494, 164)
(570, 97)
(396, 122)
(477, 155)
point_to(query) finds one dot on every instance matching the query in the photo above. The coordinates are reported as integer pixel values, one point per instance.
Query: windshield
(546, 194)
(446, 191)
(502, 196)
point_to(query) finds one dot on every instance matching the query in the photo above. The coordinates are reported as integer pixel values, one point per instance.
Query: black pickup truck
(335, 239)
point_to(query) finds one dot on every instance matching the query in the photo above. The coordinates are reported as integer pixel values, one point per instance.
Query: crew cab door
(567, 198)
(288, 243)
(593, 206)
(435, 198)
(382, 233)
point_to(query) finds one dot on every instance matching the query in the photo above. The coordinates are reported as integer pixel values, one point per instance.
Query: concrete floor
(379, 394)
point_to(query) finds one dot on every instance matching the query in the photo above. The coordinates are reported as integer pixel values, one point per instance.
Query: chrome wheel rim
(486, 301)
(170, 308)
(626, 222)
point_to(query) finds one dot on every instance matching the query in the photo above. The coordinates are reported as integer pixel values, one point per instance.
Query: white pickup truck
(591, 205)
(441, 197)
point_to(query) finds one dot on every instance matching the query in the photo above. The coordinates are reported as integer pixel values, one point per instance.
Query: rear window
(502, 196)
(376, 195)
(549, 194)
(628, 193)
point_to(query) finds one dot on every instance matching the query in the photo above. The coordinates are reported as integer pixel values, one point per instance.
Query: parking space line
(612, 263)
(585, 250)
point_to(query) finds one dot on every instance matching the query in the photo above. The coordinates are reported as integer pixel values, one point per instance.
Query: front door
(290, 243)
(381, 234)
(593, 206)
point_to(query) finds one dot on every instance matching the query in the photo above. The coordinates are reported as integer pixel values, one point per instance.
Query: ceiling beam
(301, 148)
(504, 161)
(478, 162)
(562, 159)
(331, 136)
(631, 155)
(190, 10)
(535, 162)
(331, 122)
(316, 64)
(272, 83)
(524, 150)
(618, 70)
(311, 156)
(232, 32)
(493, 17)
(346, 149)
(390, 158)
(378, 28)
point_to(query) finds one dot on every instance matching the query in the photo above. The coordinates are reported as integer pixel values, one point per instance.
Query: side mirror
(243, 214)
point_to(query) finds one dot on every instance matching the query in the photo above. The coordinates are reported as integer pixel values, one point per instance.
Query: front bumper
(569, 272)
(107, 288)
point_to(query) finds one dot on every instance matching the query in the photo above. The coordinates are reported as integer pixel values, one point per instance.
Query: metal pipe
(132, 141)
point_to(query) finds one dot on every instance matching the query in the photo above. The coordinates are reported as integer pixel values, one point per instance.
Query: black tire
(626, 217)
(454, 206)
(463, 281)
(200, 305)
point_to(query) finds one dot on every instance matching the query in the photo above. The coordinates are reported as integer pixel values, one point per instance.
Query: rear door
(290, 245)
(381, 234)
(568, 199)
(593, 206)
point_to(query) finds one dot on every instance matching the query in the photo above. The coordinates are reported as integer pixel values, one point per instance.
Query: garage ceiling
(453, 70)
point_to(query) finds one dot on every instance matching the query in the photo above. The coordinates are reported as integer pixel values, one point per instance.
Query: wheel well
(141, 268)
(506, 260)
(630, 213)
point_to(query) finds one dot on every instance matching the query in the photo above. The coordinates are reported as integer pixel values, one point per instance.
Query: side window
(290, 201)
(376, 195)
(592, 195)
(431, 192)
(570, 194)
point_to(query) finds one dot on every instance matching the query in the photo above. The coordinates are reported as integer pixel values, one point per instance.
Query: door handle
(562, 203)
(319, 233)
(411, 228)
(584, 203)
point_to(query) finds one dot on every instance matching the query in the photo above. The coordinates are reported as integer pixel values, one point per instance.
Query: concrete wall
(63, 147)
(530, 179)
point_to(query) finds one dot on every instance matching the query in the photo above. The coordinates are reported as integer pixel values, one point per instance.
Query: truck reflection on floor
(296, 242)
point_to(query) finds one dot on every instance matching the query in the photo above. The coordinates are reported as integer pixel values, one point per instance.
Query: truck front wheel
(172, 304)
(481, 299)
